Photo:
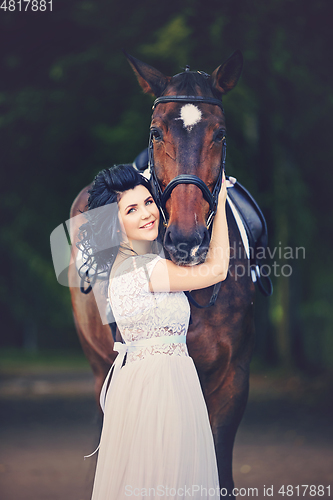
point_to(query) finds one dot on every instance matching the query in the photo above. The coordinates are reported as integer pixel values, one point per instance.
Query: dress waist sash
(122, 349)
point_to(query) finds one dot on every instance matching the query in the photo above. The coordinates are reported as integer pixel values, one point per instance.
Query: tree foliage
(70, 105)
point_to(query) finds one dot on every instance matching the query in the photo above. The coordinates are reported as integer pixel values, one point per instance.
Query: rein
(211, 198)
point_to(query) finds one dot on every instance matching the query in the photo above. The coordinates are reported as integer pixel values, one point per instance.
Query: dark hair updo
(100, 236)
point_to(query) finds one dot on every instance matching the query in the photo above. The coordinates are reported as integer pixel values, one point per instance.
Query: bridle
(163, 196)
(211, 198)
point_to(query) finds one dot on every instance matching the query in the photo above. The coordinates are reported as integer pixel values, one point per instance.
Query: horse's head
(187, 143)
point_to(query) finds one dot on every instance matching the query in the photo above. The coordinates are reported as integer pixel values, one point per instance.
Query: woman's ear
(121, 225)
(121, 229)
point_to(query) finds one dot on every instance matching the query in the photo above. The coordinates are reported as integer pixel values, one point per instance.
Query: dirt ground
(49, 422)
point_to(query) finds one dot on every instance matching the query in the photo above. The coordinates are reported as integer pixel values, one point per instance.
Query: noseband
(163, 196)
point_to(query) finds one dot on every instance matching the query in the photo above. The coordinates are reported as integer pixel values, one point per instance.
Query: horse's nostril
(168, 243)
(204, 245)
(187, 249)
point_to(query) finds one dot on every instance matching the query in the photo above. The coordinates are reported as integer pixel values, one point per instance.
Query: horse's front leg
(226, 405)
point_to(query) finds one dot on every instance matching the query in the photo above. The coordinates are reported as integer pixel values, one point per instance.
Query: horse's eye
(156, 134)
(219, 135)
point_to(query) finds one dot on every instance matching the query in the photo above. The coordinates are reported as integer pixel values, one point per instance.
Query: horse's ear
(151, 80)
(225, 77)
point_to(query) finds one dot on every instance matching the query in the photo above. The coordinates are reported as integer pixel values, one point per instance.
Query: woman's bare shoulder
(131, 263)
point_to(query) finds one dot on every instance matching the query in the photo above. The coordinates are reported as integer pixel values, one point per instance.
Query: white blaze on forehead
(191, 115)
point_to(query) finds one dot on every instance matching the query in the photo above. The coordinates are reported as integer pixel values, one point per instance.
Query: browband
(188, 98)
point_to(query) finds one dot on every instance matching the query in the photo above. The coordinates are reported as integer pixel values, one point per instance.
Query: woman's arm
(167, 276)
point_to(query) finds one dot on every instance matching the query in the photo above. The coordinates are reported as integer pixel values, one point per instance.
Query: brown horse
(187, 138)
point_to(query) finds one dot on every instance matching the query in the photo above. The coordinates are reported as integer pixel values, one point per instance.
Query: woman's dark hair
(100, 236)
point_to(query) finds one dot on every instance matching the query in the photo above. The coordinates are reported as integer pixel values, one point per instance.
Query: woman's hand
(223, 192)
(168, 276)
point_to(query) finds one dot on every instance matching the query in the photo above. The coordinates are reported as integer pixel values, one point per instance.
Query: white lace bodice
(141, 314)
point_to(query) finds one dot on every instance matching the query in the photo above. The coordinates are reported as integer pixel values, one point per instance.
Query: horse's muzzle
(188, 250)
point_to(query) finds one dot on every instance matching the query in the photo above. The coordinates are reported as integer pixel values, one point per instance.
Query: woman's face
(138, 214)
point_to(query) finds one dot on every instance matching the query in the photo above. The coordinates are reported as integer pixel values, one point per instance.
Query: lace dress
(156, 439)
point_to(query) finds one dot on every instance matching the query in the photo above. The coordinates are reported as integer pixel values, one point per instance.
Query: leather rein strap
(211, 198)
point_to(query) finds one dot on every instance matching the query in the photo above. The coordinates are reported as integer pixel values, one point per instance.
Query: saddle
(251, 217)
(255, 226)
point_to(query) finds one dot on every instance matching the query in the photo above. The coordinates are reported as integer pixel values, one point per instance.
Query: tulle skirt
(156, 440)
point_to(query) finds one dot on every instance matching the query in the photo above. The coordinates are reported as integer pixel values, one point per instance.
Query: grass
(14, 360)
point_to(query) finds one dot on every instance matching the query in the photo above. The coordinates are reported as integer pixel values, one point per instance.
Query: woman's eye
(131, 210)
(149, 202)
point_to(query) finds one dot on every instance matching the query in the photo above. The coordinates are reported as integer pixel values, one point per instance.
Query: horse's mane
(188, 82)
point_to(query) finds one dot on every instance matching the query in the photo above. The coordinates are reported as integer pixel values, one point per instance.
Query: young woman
(156, 439)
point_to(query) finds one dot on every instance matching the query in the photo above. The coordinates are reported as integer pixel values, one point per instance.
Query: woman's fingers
(223, 190)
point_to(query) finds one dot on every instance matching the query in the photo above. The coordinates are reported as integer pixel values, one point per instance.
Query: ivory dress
(156, 439)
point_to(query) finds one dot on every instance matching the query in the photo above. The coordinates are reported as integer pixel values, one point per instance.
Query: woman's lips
(149, 225)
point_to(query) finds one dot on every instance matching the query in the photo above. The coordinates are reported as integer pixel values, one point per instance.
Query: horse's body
(220, 338)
